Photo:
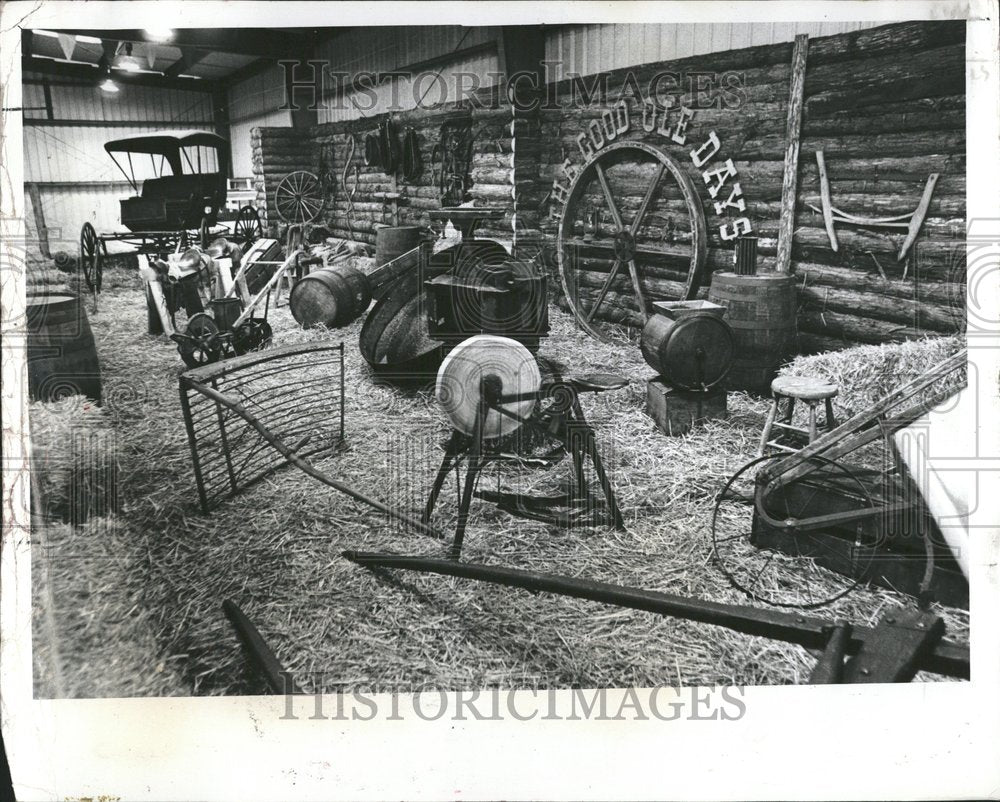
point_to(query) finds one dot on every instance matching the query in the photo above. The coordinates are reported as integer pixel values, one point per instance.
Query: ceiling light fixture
(159, 34)
(106, 82)
(126, 61)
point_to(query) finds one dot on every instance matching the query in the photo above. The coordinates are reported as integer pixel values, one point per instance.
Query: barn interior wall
(69, 178)
(886, 104)
(887, 107)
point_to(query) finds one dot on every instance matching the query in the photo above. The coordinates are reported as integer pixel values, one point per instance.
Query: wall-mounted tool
(454, 152)
(413, 164)
(912, 221)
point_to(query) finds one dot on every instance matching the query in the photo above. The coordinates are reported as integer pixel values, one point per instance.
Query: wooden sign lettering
(616, 121)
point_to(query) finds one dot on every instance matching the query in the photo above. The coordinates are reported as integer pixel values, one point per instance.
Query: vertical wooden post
(793, 127)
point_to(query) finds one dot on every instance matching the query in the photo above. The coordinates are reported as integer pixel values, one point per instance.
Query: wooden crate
(677, 411)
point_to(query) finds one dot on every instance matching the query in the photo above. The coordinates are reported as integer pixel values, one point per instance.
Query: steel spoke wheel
(254, 335)
(299, 198)
(632, 229)
(201, 345)
(248, 228)
(799, 573)
(91, 259)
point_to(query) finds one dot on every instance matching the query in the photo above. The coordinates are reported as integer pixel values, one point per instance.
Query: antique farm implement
(902, 643)
(609, 268)
(490, 387)
(179, 181)
(813, 508)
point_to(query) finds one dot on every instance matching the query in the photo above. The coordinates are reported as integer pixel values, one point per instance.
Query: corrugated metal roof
(590, 49)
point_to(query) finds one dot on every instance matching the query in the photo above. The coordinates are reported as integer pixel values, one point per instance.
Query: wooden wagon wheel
(623, 177)
(797, 575)
(91, 257)
(299, 197)
(248, 228)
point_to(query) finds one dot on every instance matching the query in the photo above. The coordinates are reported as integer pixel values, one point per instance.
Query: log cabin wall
(362, 198)
(276, 152)
(887, 107)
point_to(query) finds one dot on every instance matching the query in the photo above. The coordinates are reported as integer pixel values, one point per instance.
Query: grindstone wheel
(792, 576)
(299, 198)
(460, 375)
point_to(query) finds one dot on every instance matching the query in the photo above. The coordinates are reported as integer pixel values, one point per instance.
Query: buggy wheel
(90, 257)
(790, 563)
(248, 228)
(298, 197)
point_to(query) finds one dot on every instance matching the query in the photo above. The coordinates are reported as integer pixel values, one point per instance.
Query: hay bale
(74, 459)
(867, 373)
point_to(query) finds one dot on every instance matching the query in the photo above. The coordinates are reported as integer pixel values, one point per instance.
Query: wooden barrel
(332, 296)
(394, 241)
(62, 357)
(761, 310)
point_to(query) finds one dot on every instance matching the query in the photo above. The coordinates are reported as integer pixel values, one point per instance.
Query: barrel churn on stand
(690, 346)
(62, 355)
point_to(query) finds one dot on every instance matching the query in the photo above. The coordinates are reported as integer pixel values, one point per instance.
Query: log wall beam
(793, 130)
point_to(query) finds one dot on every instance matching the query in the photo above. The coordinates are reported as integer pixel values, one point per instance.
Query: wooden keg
(332, 296)
(761, 310)
(688, 343)
(62, 356)
(394, 241)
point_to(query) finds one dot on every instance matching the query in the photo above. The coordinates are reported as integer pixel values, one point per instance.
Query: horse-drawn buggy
(179, 183)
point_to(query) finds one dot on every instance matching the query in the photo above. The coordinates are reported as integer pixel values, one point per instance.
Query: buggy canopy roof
(168, 144)
(165, 141)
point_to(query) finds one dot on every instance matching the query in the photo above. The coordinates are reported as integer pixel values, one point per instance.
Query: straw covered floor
(129, 603)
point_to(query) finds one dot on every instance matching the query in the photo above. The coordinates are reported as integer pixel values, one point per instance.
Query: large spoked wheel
(91, 257)
(248, 228)
(299, 198)
(632, 228)
(798, 574)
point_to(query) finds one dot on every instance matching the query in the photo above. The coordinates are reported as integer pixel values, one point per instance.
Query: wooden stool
(809, 389)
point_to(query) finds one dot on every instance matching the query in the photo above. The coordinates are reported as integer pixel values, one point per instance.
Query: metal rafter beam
(188, 59)
(269, 42)
(88, 72)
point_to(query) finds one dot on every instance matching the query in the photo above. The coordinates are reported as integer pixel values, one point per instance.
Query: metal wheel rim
(90, 256)
(851, 583)
(699, 239)
(299, 197)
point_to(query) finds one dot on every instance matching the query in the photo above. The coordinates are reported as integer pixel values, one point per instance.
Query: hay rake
(813, 508)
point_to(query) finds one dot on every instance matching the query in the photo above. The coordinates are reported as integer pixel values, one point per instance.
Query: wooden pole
(793, 128)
